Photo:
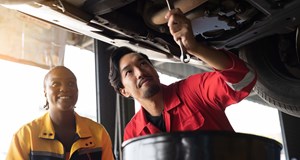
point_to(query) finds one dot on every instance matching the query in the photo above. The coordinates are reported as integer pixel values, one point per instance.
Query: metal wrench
(184, 57)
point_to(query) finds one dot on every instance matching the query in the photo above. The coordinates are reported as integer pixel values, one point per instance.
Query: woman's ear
(124, 93)
(45, 93)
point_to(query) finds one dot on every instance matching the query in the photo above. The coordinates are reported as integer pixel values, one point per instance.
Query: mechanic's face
(139, 78)
(61, 89)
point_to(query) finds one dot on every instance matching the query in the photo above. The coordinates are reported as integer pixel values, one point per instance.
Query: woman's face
(61, 89)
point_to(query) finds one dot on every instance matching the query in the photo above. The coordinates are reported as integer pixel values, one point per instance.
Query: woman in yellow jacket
(61, 134)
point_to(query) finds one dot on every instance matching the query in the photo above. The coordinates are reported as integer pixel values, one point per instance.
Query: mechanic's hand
(181, 29)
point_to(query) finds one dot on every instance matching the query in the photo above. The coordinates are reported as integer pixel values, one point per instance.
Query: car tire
(275, 84)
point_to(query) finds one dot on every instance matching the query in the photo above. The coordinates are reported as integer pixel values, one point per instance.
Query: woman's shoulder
(32, 126)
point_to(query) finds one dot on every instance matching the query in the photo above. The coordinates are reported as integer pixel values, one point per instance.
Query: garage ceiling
(31, 41)
(28, 40)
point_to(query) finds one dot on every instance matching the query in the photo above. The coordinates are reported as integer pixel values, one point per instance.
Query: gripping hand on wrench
(181, 29)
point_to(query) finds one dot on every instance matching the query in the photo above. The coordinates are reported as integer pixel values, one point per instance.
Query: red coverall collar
(171, 100)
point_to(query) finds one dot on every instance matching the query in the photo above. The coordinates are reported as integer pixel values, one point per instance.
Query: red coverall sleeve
(223, 88)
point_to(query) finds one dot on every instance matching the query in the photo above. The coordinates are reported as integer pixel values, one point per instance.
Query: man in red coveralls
(195, 103)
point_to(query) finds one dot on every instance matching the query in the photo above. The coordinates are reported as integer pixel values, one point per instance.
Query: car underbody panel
(236, 25)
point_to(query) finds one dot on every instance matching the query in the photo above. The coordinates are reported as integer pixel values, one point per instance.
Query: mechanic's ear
(124, 93)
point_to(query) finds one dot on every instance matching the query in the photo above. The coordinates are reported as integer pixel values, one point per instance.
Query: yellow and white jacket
(36, 141)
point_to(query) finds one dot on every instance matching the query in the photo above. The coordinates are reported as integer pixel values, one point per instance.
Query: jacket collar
(82, 129)
(171, 100)
(141, 120)
(47, 130)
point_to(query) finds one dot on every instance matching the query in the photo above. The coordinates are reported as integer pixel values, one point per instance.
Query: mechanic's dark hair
(114, 62)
